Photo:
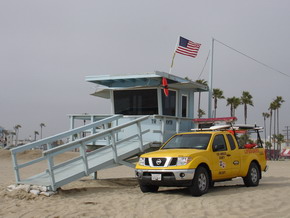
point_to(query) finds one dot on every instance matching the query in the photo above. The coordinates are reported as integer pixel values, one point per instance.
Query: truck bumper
(165, 177)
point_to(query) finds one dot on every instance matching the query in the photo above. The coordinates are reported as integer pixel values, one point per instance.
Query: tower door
(184, 106)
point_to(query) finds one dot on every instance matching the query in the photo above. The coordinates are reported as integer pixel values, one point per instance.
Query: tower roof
(142, 80)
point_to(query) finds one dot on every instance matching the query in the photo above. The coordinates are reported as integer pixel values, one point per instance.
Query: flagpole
(172, 62)
(210, 79)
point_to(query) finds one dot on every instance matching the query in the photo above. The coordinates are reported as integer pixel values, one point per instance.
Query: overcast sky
(48, 47)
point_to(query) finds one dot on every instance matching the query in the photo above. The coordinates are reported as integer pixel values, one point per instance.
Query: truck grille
(159, 162)
(173, 162)
(146, 162)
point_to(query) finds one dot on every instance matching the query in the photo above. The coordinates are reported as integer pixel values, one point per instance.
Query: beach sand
(116, 194)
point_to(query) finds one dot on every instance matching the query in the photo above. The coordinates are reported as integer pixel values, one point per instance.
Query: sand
(116, 194)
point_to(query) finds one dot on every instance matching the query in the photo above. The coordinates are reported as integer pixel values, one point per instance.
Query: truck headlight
(142, 161)
(183, 161)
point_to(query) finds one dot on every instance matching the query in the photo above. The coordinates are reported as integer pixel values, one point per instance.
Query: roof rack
(214, 120)
(208, 122)
(230, 127)
(247, 127)
(214, 128)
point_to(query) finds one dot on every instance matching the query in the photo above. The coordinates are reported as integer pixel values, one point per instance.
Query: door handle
(229, 155)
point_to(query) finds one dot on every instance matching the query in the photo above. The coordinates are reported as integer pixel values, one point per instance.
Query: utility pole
(287, 130)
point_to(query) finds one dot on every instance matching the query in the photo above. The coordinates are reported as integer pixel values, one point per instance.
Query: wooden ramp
(115, 152)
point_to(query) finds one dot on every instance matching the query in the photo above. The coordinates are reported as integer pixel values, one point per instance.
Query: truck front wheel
(149, 188)
(200, 182)
(253, 176)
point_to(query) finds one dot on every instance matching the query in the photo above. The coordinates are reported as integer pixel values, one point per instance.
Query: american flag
(187, 47)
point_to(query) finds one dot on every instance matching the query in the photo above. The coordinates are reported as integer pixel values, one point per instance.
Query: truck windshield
(188, 141)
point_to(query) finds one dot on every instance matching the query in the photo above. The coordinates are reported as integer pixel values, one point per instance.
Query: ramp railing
(48, 142)
(80, 145)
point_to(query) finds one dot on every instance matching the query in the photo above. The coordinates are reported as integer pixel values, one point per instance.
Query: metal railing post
(15, 166)
(84, 158)
(51, 159)
(93, 130)
(106, 126)
(140, 136)
(178, 125)
(117, 123)
(163, 129)
(114, 148)
(72, 123)
(51, 173)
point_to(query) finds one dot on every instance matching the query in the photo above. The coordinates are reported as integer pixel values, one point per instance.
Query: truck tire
(200, 183)
(253, 176)
(149, 188)
(211, 184)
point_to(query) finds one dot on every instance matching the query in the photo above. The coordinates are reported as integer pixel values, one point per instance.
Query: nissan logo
(158, 162)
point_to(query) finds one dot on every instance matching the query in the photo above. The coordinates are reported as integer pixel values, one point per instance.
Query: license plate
(156, 177)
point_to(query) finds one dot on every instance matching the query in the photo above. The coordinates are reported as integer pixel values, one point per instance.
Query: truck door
(221, 158)
(233, 155)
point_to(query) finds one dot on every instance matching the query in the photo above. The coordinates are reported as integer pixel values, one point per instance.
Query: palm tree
(16, 128)
(41, 125)
(279, 100)
(230, 102)
(35, 133)
(268, 146)
(279, 138)
(272, 108)
(234, 102)
(265, 115)
(203, 82)
(246, 100)
(200, 113)
(237, 102)
(217, 94)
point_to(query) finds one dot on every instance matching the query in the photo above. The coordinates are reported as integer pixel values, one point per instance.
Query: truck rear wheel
(149, 188)
(200, 182)
(253, 176)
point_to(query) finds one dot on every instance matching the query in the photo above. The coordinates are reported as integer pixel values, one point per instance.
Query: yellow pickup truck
(200, 158)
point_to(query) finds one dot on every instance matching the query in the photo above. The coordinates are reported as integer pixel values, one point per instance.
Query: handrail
(88, 139)
(80, 143)
(65, 134)
(114, 141)
(30, 162)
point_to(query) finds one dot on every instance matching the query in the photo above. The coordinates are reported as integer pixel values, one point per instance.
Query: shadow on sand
(223, 188)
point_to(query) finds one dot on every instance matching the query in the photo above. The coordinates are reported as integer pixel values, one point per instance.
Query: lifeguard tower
(137, 95)
(142, 117)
